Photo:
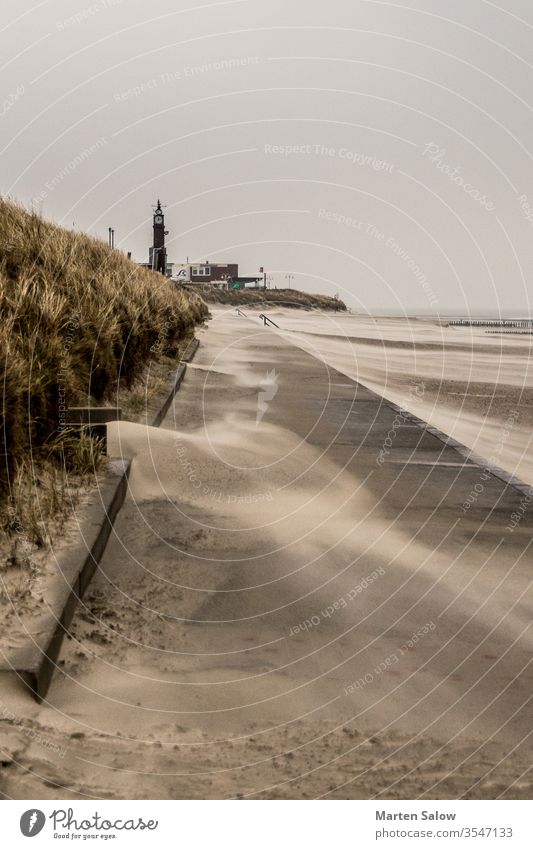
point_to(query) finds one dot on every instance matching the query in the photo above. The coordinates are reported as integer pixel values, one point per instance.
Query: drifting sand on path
(204, 661)
(468, 382)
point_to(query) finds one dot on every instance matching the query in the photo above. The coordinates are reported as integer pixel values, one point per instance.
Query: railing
(267, 321)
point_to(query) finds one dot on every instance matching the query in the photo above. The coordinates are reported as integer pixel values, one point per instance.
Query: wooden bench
(93, 420)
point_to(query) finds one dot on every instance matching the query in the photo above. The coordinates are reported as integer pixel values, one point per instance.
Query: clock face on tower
(158, 219)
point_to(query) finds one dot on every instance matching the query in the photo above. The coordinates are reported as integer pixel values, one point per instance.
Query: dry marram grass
(79, 320)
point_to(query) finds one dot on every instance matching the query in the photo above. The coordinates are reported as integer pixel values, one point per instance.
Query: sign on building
(181, 273)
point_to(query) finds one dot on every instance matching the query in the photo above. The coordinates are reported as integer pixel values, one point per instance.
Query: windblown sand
(190, 671)
(468, 382)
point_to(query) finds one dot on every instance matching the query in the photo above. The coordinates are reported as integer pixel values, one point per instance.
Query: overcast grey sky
(380, 150)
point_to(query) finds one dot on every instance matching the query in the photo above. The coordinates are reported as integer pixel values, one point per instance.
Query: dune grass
(286, 298)
(77, 317)
(78, 322)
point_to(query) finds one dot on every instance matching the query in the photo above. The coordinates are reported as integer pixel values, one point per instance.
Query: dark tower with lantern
(158, 252)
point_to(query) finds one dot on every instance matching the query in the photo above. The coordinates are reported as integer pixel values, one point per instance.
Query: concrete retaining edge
(36, 664)
(518, 484)
(176, 382)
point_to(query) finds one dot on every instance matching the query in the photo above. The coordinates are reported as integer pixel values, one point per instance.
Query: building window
(207, 271)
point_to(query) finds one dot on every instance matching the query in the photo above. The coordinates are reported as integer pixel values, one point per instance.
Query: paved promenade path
(295, 602)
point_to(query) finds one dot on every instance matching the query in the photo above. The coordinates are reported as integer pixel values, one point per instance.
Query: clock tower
(158, 252)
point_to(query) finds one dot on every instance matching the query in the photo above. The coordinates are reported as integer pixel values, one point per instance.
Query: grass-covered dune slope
(268, 297)
(77, 318)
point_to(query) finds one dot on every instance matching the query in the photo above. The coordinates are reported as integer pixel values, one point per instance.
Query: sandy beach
(475, 384)
(277, 614)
